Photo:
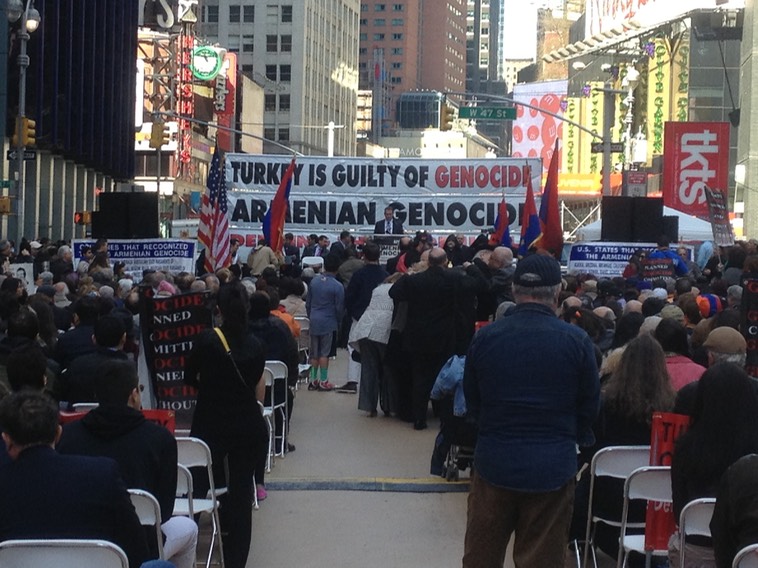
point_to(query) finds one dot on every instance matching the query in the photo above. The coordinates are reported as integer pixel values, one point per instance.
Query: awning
(615, 38)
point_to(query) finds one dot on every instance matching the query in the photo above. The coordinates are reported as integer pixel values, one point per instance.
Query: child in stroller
(454, 446)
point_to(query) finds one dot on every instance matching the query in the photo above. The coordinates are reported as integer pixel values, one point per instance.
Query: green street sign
(487, 113)
(5, 183)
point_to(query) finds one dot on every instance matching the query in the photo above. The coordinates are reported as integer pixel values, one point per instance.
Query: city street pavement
(357, 492)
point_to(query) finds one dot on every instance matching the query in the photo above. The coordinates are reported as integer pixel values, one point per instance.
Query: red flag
(502, 234)
(213, 230)
(273, 222)
(550, 217)
(530, 221)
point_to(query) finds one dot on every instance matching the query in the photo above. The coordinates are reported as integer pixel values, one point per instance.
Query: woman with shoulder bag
(226, 366)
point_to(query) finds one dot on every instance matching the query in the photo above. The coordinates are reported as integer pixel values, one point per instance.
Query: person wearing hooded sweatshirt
(145, 452)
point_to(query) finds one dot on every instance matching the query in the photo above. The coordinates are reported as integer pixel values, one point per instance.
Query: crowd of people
(561, 360)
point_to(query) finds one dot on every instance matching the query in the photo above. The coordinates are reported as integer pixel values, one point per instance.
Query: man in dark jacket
(531, 382)
(145, 452)
(439, 323)
(78, 341)
(46, 495)
(77, 383)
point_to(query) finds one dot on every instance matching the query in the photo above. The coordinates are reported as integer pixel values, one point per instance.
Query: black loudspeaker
(109, 225)
(126, 216)
(143, 216)
(617, 219)
(671, 228)
(647, 219)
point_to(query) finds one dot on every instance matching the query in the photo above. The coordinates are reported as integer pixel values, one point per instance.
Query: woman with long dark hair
(638, 387)
(227, 416)
(724, 428)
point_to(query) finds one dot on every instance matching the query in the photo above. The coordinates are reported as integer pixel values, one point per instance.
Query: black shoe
(290, 447)
(350, 387)
(419, 425)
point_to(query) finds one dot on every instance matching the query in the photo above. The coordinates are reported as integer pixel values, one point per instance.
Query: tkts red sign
(696, 154)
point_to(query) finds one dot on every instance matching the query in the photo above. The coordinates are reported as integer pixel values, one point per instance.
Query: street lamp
(629, 83)
(30, 20)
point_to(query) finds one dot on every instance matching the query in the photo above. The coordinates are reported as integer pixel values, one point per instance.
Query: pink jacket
(683, 370)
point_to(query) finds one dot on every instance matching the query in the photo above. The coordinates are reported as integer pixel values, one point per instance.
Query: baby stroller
(454, 446)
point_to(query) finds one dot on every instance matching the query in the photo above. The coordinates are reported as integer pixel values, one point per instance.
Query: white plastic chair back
(652, 483)
(695, 519)
(280, 373)
(85, 406)
(149, 513)
(315, 262)
(193, 452)
(61, 553)
(616, 462)
(747, 557)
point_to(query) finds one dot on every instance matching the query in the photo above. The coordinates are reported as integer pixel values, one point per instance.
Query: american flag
(213, 230)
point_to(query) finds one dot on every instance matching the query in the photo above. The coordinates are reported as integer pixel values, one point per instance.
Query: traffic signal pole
(23, 64)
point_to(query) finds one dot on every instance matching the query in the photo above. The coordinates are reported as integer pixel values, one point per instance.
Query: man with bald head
(498, 270)
(440, 323)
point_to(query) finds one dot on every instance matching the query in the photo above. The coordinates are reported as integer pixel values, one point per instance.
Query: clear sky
(520, 29)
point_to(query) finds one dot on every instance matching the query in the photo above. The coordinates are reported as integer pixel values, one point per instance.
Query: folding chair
(85, 406)
(303, 345)
(695, 519)
(279, 371)
(651, 483)
(267, 409)
(747, 557)
(615, 462)
(149, 513)
(193, 452)
(183, 505)
(62, 553)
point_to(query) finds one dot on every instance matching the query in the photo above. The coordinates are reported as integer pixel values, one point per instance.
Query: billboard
(534, 132)
(332, 194)
(696, 155)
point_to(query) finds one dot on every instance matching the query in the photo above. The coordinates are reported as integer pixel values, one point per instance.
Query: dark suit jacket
(397, 228)
(74, 343)
(440, 318)
(77, 382)
(47, 495)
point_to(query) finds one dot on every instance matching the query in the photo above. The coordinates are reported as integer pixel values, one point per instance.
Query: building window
(397, 21)
(363, 37)
(271, 43)
(285, 43)
(379, 22)
(247, 69)
(284, 135)
(378, 37)
(269, 133)
(395, 80)
(248, 14)
(211, 14)
(270, 102)
(363, 22)
(286, 14)
(364, 7)
(284, 102)
(397, 36)
(271, 72)
(397, 65)
(380, 7)
(396, 51)
(234, 43)
(398, 8)
(234, 14)
(285, 73)
(247, 43)
(362, 51)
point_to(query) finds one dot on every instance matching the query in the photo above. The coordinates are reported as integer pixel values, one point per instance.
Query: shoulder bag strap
(228, 350)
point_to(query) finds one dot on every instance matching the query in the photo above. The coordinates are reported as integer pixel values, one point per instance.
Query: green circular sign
(206, 63)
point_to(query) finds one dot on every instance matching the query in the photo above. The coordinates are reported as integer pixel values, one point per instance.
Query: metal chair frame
(149, 513)
(62, 553)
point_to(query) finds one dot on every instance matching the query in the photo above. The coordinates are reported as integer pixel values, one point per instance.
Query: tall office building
(484, 46)
(412, 45)
(305, 55)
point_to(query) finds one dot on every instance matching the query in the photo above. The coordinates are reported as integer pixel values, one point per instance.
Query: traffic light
(159, 135)
(83, 217)
(26, 132)
(447, 115)
(29, 131)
